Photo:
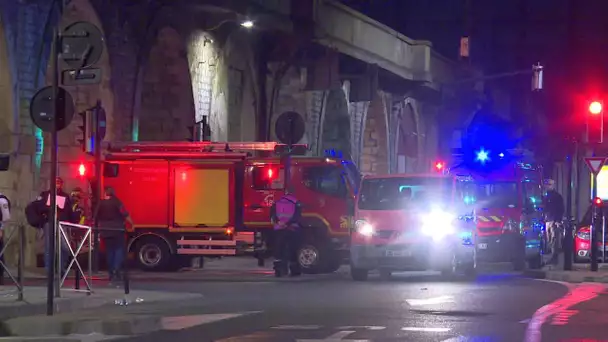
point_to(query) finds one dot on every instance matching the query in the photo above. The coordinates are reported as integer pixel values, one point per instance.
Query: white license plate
(482, 246)
(398, 254)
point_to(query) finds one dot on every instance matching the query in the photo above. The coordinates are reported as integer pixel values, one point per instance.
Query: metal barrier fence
(5, 241)
(65, 237)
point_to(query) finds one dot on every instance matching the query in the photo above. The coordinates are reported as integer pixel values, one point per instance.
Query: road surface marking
(366, 327)
(425, 329)
(297, 327)
(576, 295)
(430, 301)
(185, 322)
(337, 337)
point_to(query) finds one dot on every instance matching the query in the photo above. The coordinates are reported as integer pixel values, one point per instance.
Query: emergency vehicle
(507, 211)
(192, 199)
(410, 223)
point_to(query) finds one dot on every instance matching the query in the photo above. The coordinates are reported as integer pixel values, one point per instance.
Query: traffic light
(82, 170)
(595, 122)
(87, 128)
(597, 202)
(439, 166)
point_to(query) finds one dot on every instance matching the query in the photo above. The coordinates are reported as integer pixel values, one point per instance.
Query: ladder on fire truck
(197, 146)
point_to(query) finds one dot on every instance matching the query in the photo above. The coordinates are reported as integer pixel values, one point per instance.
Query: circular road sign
(42, 109)
(81, 45)
(290, 128)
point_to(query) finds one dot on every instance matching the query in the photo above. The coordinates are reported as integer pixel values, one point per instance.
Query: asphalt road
(419, 307)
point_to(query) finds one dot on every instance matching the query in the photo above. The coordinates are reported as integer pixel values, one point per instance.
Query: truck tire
(152, 254)
(311, 257)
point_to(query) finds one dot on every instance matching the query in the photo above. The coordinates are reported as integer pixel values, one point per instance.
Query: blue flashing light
(469, 199)
(501, 155)
(331, 153)
(483, 156)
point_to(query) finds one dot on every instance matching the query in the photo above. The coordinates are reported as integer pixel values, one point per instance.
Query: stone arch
(85, 96)
(335, 123)
(375, 151)
(407, 143)
(167, 104)
(9, 123)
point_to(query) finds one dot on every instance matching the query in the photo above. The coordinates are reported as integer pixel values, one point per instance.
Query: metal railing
(5, 241)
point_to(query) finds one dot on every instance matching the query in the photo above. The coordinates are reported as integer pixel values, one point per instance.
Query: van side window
(268, 177)
(326, 180)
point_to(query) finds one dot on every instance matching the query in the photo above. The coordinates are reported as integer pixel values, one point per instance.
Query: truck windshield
(403, 192)
(493, 195)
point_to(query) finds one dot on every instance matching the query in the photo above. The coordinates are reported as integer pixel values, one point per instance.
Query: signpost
(79, 46)
(595, 165)
(289, 129)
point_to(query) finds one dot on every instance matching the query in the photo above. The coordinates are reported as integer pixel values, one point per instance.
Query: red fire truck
(207, 199)
(506, 209)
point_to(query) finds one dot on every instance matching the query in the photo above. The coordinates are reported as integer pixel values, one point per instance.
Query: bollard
(125, 272)
(76, 279)
(21, 261)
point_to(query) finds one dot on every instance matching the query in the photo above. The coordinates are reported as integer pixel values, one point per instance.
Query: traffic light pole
(98, 188)
(594, 224)
(569, 236)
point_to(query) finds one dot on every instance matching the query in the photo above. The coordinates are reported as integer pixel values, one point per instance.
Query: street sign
(595, 164)
(42, 109)
(81, 45)
(81, 76)
(289, 128)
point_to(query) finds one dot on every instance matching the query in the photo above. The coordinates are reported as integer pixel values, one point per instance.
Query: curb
(61, 305)
(567, 276)
(61, 326)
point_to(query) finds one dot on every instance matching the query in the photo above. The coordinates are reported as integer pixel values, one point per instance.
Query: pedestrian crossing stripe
(489, 218)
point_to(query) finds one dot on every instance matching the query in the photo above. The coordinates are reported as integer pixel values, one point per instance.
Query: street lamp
(247, 24)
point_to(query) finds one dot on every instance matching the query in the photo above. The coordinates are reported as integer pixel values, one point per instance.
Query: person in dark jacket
(64, 213)
(554, 209)
(111, 216)
(285, 215)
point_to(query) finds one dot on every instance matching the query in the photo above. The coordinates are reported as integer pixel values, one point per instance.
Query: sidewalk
(580, 274)
(34, 302)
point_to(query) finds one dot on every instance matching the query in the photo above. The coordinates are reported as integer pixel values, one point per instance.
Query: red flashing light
(598, 202)
(595, 107)
(439, 166)
(270, 173)
(82, 170)
(184, 176)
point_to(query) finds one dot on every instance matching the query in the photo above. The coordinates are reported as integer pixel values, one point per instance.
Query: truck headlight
(438, 224)
(364, 228)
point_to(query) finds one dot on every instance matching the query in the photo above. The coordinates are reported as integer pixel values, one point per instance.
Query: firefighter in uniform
(5, 215)
(77, 207)
(285, 215)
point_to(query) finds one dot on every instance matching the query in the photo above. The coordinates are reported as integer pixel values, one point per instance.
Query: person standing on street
(64, 213)
(554, 214)
(111, 217)
(285, 215)
(5, 216)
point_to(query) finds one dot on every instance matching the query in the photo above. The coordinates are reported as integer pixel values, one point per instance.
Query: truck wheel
(310, 258)
(358, 274)
(152, 255)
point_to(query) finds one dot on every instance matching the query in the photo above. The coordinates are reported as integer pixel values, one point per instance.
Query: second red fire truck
(506, 207)
(210, 199)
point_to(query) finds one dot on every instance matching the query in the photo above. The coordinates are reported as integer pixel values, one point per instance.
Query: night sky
(569, 37)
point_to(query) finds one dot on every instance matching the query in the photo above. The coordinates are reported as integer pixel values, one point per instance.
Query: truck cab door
(263, 185)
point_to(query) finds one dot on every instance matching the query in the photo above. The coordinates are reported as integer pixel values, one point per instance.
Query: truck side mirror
(4, 162)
